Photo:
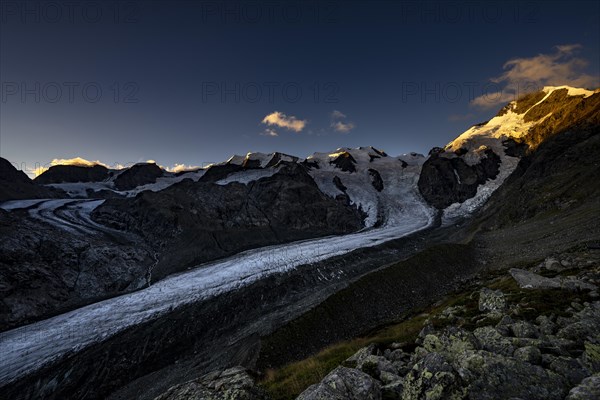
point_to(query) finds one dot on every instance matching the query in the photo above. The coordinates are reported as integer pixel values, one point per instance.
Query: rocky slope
(534, 337)
(194, 222)
(45, 270)
(15, 184)
(505, 343)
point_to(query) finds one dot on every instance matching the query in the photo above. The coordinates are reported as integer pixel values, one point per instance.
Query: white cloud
(342, 127)
(338, 124)
(78, 161)
(523, 75)
(269, 132)
(283, 121)
(182, 168)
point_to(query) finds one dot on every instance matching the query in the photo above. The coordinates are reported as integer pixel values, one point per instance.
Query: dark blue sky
(191, 81)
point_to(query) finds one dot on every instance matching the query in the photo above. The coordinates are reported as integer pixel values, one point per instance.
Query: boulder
(342, 384)
(491, 340)
(570, 368)
(588, 389)
(432, 378)
(529, 354)
(451, 342)
(524, 329)
(491, 376)
(233, 383)
(529, 280)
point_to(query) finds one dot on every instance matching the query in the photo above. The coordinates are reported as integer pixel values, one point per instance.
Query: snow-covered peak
(571, 91)
(359, 155)
(508, 124)
(260, 160)
(235, 159)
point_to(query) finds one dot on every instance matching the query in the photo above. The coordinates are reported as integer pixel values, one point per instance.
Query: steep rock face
(218, 172)
(138, 175)
(233, 383)
(561, 173)
(446, 180)
(9, 173)
(193, 222)
(15, 184)
(559, 112)
(345, 162)
(72, 173)
(45, 270)
(376, 179)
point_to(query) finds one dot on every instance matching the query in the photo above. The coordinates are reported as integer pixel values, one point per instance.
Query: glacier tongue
(31, 347)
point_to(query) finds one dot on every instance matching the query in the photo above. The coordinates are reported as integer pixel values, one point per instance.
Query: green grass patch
(291, 380)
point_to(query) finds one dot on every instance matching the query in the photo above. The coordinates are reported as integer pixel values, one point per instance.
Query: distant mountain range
(79, 234)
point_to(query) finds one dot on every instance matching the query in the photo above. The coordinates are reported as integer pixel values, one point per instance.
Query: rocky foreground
(531, 333)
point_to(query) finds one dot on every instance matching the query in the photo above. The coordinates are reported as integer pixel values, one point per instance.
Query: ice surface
(248, 176)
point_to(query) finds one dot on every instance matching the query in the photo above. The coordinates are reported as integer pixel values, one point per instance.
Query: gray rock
(492, 301)
(234, 383)
(375, 366)
(358, 357)
(546, 326)
(557, 346)
(530, 280)
(523, 329)
(570, 368)
(450, 342)
(432, 378)
(343, 384)
(504, 325)
(396, 355)
(491, 340)
(491, 376)
(529, 354)
(552, 264)
(588, 389)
